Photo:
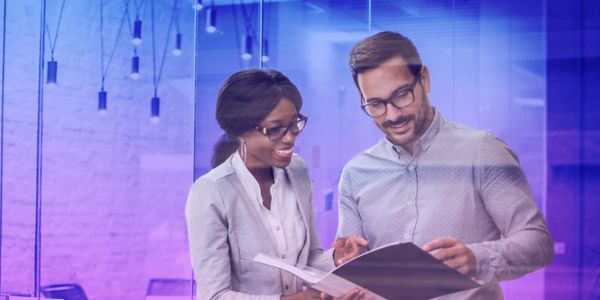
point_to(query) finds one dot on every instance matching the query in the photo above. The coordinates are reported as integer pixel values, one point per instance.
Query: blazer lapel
(247, 201)
(301, 193)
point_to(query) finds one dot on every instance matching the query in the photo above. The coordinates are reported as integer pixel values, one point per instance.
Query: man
(457, 192)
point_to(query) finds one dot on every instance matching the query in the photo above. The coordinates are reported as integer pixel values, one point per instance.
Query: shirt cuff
(329, 262)
(483, 273)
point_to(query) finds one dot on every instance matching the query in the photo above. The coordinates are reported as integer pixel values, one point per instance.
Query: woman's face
(262, 152)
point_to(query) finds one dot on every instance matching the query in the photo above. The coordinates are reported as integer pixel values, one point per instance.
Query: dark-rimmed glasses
(278, 132)
(400, 99)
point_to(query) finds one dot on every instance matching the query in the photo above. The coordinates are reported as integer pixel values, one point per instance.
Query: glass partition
(113, 184)
(487, 66)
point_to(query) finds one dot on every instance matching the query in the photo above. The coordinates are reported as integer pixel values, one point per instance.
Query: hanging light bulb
(211, 20)
(198, 5)
(265, 55)
(177, 50)
(102, 103)
(137, 32)
(52, 72)
(247, 52)
(155, 110)
(135, 67)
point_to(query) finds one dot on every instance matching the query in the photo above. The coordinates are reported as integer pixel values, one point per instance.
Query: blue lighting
(135, 67)
(265, 55)
(52, 72)
(137, 32)
(155, 110)
(102, 97)
(211, 20)
(177, 50)
(198, 5)
(247, 52)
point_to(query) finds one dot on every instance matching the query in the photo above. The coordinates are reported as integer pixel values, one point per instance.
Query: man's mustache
(399, 121)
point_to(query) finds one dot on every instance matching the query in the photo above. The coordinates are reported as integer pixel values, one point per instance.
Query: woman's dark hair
(376, 49)
(244, 100)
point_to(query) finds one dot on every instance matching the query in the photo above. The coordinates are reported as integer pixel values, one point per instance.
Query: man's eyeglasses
(278, 132)
(403, 98)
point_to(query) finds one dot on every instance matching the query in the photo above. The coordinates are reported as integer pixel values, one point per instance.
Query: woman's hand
(355, 294)
(312, 294)
(309, 293)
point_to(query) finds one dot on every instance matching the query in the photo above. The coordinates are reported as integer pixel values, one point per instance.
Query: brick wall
(114, 187)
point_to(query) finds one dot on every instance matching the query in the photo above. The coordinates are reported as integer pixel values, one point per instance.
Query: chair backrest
(68, 291)
(170, 287)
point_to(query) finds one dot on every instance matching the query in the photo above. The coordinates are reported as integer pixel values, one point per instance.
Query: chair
(170, 287)
(68, 291)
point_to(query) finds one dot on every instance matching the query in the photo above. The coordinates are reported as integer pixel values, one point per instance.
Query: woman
(257, 199)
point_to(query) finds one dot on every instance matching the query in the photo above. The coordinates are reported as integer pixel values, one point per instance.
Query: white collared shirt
(283, 221)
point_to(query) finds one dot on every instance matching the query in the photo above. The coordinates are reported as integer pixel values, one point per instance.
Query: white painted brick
(112, 219)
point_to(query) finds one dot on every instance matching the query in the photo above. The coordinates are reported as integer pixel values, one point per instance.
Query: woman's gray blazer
(225, 233)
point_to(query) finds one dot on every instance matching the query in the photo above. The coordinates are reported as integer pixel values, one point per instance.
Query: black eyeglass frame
(299, 120)
(410, 89)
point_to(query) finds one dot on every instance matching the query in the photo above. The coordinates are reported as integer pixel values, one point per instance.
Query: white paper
(326, 282)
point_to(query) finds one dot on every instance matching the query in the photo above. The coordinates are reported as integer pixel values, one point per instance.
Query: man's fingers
(449, 253)
(339, 243)
(359, 241)
(464, 270)
(456, 262)
(348, 247)
(454, 254)
(460, 263)
(355, 249)
(349, 241)
(350, 251)
(444, 254)
(439, 244)
(358, 245)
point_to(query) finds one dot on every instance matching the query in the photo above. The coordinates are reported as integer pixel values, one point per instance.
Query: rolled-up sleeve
(526, 244)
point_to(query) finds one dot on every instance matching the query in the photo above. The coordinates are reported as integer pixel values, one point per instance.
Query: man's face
(401, 126)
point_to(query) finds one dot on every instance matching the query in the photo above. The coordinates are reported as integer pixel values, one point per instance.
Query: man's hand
(455, 254)
(345, 248)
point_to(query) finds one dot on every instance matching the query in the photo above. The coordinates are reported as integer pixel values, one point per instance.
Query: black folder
(403, 271)
(396, 272)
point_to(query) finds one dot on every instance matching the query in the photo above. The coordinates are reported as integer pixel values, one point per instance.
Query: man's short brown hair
(378, 48)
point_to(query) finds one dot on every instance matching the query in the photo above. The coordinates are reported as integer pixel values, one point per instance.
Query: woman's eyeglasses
(278, 132)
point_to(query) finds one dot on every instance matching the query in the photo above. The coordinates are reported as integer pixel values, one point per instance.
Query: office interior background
(107, 117)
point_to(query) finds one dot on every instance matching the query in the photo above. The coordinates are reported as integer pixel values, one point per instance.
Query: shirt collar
(249, 182)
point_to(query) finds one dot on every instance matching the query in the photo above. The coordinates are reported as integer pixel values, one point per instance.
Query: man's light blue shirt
(460, 182)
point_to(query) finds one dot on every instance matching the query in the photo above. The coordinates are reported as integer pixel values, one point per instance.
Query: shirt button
(410, 167)
(283, 256)
(407, 236)
(276, 228)
(410, 202)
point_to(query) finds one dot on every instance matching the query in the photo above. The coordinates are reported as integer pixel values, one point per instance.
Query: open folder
(395, 271)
